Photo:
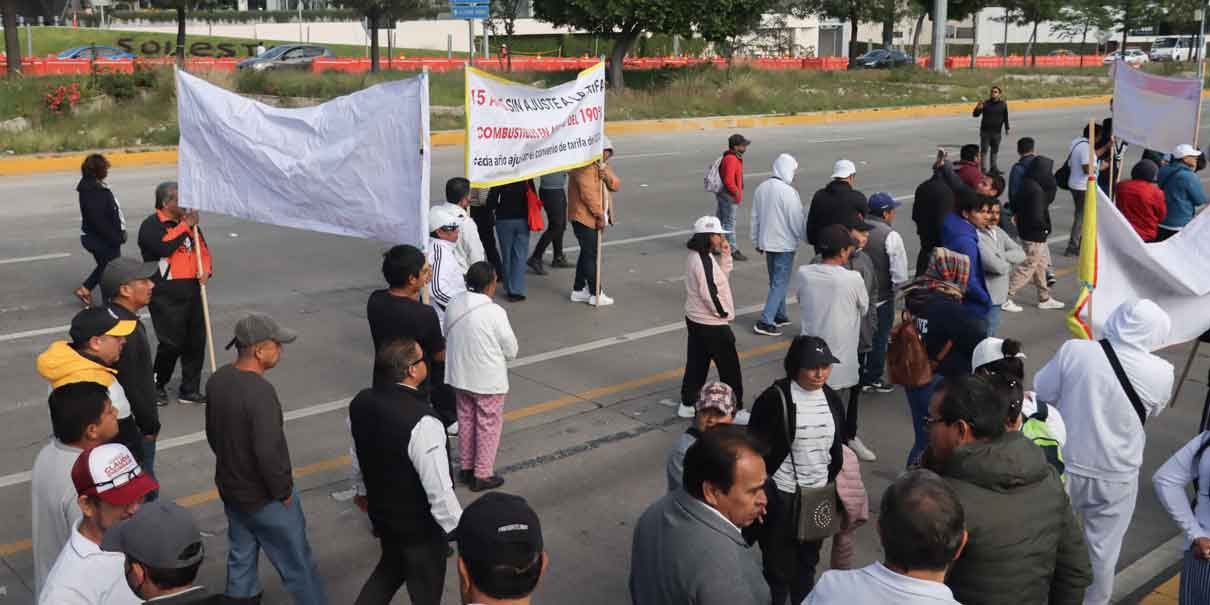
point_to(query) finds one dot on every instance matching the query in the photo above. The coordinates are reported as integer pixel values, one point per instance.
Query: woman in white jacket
(1190, 464)
(479, 344)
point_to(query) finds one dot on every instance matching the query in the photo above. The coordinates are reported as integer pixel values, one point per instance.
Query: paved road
(588, 419)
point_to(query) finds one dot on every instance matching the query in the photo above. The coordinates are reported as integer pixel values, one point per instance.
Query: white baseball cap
(989, 350)
(843, 169)
(708, 224)
(1185, 150)
(444, 215)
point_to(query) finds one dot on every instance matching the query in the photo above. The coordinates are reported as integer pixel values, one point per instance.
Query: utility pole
(939, 18)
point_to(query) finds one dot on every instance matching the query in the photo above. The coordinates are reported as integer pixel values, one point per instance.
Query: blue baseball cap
(883, 201)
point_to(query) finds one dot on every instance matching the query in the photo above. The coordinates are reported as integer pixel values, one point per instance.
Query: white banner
(357, 165)
(1154, 111)
(1171, 273)
(516, 132)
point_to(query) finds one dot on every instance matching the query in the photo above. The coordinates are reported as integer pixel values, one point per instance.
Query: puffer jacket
(1025, 545)
(1031, 204)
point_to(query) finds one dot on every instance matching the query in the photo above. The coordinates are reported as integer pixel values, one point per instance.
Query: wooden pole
(1113, 153)
(197, 253)
(601, 231)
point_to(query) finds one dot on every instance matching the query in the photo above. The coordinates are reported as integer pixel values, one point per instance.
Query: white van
(1173, 48)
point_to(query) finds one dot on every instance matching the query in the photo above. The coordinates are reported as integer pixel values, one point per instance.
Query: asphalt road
(589, 419)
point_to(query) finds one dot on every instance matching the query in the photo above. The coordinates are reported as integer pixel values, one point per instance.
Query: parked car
(286, 56)
(1134, 57)
(95, 52)
(1173, 48)
(1062, 52)
(882, 58)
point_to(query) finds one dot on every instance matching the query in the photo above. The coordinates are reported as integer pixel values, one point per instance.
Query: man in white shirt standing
(458, 200)
(449, 270)
(778, 225)
(1077, 183)
(1105, 441)
(400, 447)
(110, 487)
(922, 530)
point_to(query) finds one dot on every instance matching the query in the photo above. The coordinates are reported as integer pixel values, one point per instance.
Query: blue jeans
(282, 531)
(780, 265)
(876, 358)
(918, 401)
(513, 234)
(726, 214)
(149, 466)
(993, 320)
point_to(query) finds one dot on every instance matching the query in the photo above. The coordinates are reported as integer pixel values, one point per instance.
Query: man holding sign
(590, 208)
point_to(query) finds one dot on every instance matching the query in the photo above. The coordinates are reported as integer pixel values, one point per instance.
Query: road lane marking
(44, 331)
(28, 259)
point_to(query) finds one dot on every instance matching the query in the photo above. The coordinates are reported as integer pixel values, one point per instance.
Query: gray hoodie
(778, 221)
(999, 254)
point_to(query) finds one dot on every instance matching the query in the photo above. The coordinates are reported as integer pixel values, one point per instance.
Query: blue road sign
(476, 11)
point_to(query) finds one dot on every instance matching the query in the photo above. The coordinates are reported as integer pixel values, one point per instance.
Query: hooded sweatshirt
(1024, 543)
(778, 220)
(1104, 439)
(999, 255)
(60, 364)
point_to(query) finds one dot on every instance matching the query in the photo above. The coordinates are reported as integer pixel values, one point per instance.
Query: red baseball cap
(110, 472)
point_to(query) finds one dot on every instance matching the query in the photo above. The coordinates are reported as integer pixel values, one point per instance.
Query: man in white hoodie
(778, 226)
(1104, 448)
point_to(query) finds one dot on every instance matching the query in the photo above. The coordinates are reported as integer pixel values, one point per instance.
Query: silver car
(286, 56)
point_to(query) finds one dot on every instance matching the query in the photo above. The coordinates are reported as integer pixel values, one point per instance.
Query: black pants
(853, 394)
(420, 565)
(176, 314)
(586, 262)
(102, 252)
(989, 140)
(789, 564)
(485, 222)
(555, 202)
(706, 344)
(1162, 234)
(441, 395)
(922, 258)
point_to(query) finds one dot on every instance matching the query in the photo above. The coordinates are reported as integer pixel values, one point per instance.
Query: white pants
(1106, 508)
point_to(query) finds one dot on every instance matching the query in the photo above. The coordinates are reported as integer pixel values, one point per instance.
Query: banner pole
(1092, 184)
(1113, 154)
(601, 231)
(197, 253)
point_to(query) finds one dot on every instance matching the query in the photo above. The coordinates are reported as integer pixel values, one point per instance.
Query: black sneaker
(535, 265)
(194, 398)
(739, 256)
(485, 484)
(781, 321)
(515, 297)
(161, 396)
(561, 262)
(877, 386)
(766, 329)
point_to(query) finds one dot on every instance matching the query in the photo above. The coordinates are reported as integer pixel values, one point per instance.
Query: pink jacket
(851, 490)
(699, 307)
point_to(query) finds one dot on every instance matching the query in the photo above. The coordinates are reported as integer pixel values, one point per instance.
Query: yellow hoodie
(60, 364)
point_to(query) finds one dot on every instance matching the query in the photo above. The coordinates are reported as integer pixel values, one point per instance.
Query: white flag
(357, 165)
(516, 132)
(1153, 111)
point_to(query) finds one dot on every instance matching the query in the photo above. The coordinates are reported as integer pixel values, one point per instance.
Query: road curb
(70, 162)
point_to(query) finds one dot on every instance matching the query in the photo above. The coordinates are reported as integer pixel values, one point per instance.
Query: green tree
(852, 11)
(378, 13)
(1080, 17)
(1132, 14)
(1033, 13)
(729, 21)
(12, 47)
(504, 13)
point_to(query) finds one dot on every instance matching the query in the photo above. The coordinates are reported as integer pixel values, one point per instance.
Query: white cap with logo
(843, 169)
(709, 224)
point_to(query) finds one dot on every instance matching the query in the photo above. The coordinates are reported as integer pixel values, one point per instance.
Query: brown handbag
(816, 510)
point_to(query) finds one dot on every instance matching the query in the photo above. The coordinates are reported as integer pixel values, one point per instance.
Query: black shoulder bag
(816, 512)
(1125, 382)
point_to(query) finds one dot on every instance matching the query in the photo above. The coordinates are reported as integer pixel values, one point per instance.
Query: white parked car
(1134, 57)
(1172, 48)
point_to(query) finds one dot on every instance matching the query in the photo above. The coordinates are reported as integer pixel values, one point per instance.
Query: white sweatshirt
(470, 247)
(449, 275)
(1170, 481)
(778, 221)
(479, 343)
(1105, 440)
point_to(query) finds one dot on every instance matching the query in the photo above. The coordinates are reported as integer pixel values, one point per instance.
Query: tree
(505, 11)
(956, 10)
(1132, 14)
(730, 20)
(1080, 17)
(1033, 12)
(378, 13)
(853, 11)
(12, 47)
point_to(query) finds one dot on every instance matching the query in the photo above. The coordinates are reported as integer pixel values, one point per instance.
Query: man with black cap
(731, 173)
(500, 556)
(252, 468)
(127, 285)
(164, 551)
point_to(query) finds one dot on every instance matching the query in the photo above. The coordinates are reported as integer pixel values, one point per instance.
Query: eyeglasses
(119, 480)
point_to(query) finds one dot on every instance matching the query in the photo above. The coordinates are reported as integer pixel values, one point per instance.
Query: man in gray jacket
(687, 546)
(1000, 254)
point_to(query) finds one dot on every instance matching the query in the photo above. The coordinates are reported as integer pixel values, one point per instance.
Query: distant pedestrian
(110, 487)
(995, 117)
(479, 344)
(1103, 389)
(1000, 256)
(1032, 201)
(1024, 544)
(82, 418)
(921, 526)
(164, 552)
(458, 198)
(715, 406)
(1183, 192)
(103, 225)
(590, 210)
(1190, 464)
(802, 420)
(889, 255)
(933, 201)
(552, 189)
(960, 233)
(510, 203)
(709, 311)
(967, 166)
(1141, 201)
(778, 227)
(252, 469)
(837, 203)
(500, 554)
(442, 253)
(688, 546)
(400, 445)
(731, 172)
(166, 237)
(1077, 183)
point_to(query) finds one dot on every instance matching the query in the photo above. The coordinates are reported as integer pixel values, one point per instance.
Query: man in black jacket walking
(1031, 208)
(838, 203)
(995, 117)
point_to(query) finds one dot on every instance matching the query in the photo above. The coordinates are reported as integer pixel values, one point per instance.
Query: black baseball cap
(815, 353)
(123, 270)
(833, 239)
(99, 321)
(737, 139)
(858, 223)
(499, 529)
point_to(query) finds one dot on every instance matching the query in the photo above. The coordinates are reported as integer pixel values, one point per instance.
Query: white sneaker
(452, 429)
(742, 417)
(604, 302)
(1051, 303)
(864, 453)
(686, 411)
(1011, 307)
(580, 295)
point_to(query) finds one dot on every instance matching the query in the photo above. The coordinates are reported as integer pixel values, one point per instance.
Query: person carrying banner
(731, 173)
(995, 116)
(1183, 191)
(590, 210)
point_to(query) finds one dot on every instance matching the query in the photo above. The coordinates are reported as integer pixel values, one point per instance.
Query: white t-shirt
(814, 432)
(55, 510)
(85, 575)
(1078, 181)
(877, 584)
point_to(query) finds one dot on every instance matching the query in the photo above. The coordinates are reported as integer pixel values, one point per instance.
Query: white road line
(44, 331)
(635, 240)
(645, 155)
(26, 259)
(1147, 567)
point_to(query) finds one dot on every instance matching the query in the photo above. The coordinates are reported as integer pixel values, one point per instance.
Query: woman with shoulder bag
(802, 464)
(1190, 464)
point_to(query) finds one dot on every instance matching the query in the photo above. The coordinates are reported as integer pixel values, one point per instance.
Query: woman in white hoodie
(479, 344)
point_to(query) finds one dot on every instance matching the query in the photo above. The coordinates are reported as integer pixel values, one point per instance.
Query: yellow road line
(1167, 593)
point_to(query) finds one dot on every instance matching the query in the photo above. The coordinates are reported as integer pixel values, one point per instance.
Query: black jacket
(766, 424)
(836, 204)
(99, 213)
(1025, 545)
(510, 201)
(940, 320)
(934, 199)
(995, 116)
(136, 375)
(1031, 205)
